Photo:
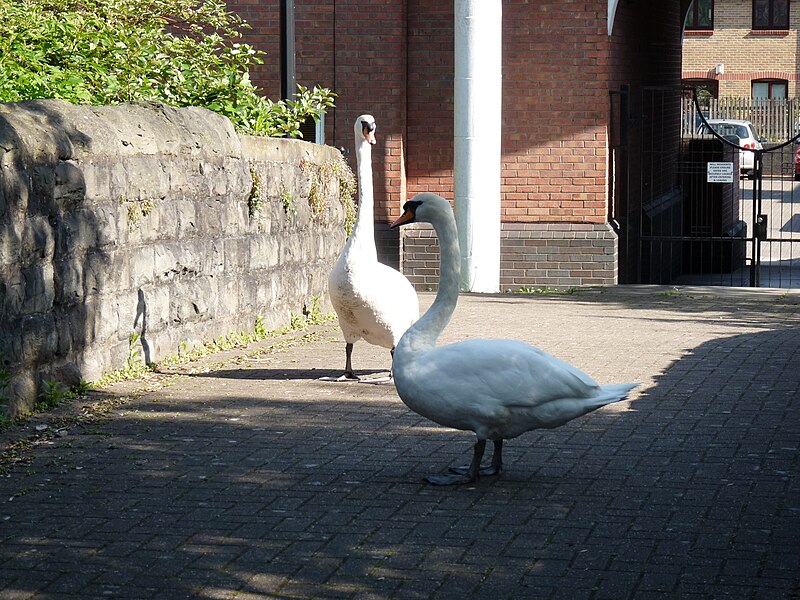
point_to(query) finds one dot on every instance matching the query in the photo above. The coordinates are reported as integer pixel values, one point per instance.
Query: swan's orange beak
(408, 216)
(369, 136)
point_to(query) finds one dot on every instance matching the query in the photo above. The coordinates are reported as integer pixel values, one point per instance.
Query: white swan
(373, 301)
(497, 388)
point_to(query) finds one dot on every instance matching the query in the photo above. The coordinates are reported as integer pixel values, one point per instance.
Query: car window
(723, 129)
(726, 129)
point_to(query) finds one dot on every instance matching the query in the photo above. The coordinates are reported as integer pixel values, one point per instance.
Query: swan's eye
(411, 206)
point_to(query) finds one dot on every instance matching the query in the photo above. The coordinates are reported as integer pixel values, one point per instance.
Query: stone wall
(149, 220)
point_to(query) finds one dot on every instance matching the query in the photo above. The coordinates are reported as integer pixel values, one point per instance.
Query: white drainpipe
(612, 11)
(476, 172)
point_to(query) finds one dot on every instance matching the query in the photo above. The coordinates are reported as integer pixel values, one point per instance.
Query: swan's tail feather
(613, 393)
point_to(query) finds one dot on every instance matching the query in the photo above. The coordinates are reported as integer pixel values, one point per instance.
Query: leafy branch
(180, 52)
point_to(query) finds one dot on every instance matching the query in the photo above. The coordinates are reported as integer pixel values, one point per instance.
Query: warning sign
(719, 172)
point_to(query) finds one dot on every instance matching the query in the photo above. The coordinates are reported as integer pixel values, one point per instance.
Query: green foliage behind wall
(180, 52)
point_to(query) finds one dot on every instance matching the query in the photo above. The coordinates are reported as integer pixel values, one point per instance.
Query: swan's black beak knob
(368, 130)
(409, 214)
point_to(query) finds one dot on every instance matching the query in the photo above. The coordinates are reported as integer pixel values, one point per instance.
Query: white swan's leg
(472, 472)
(495, 468)
(497, 460)
(348, 364)
(388, 380)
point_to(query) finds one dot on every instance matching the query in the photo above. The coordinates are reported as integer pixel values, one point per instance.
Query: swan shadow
(312, 374)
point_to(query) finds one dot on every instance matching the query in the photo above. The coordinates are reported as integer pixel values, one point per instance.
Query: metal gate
(687, 207)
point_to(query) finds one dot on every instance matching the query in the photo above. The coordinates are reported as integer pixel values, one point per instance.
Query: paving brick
(251, 478)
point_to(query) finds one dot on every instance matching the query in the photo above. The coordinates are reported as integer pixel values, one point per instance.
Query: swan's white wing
(497, 388)
(395, 285)
(521, 373)
(373, 302)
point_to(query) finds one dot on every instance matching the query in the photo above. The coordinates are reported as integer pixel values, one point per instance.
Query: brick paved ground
(244, 476)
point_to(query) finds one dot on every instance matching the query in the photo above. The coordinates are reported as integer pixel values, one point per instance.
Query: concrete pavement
(244, 476)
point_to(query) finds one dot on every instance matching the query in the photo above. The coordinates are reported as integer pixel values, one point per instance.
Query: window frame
(711, 86)
(770, 83)
(771, 25)
(694, 13)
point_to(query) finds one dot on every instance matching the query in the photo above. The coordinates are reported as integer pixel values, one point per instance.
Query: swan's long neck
(361, 243)
(426, 331)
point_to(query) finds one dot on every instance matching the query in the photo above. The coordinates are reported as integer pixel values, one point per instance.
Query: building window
(770, 14)
(770, 88)
(700, 16)
(705, 88)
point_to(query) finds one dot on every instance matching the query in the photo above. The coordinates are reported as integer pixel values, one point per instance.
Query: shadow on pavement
(265, 487)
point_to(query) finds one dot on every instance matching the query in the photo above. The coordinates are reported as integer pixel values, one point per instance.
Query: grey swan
(373, 301)
(497, 388)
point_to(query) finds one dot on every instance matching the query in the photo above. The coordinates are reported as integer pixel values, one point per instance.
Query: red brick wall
(430, 97)
(314, 42)
(264, 34)
(315, 25)
(394, 59)
(555, 90)
(555, 102)
(359, 51)
(370, 77)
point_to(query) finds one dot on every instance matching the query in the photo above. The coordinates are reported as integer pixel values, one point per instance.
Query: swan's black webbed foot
(348, 376)
(437, 479)
(495, 468)
(389, 380)
(461, 475)
(487, 471)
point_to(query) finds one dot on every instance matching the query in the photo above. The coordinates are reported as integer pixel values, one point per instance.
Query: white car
(746, 134)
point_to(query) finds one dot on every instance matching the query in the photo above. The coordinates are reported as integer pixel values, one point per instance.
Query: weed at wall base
(5, 379)
(55, 393)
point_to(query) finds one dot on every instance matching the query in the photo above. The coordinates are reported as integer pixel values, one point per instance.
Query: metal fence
(679, 222)
(777, 120)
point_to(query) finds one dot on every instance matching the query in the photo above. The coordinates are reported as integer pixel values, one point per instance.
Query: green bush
(180, 52)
